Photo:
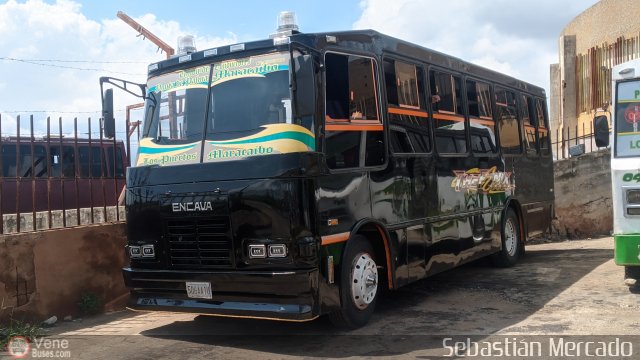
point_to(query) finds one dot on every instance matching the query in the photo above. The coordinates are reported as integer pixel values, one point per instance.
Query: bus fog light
(148, 251)
(257, 252)
(277, 250)
(633, 196)
(135, 252)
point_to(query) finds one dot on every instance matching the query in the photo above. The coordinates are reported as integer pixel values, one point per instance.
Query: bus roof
(367, 40)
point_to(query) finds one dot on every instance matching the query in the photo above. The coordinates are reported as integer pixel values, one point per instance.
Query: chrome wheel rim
(364, 281)
(510, 237)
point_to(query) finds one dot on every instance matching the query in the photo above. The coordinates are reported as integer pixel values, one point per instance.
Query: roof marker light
(236, 47)
(287, 26)
(287, 22)
(627, 73)
(186, 45)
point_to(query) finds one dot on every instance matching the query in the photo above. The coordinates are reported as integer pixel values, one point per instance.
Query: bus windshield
(232, 105)
(627, 127)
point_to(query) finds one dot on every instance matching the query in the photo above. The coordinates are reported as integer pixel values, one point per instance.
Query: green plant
(17, 328)
(90, 304)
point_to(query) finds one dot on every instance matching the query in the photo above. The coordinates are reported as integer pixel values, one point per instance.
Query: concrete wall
(604, 22)
(45, 273)
(583, 195)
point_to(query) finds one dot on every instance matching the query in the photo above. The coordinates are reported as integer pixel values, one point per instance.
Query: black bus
(298, 176)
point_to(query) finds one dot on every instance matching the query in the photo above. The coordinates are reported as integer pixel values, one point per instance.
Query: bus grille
(200, 243)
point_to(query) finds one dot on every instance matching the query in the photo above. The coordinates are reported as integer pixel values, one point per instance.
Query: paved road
(562, 288)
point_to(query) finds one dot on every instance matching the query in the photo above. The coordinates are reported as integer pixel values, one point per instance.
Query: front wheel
(512, 242)
(632, 276)
(358, 285)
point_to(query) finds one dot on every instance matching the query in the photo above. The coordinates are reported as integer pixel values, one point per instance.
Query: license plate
(199, 290)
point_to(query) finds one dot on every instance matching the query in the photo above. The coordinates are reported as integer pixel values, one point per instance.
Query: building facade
(604, 35)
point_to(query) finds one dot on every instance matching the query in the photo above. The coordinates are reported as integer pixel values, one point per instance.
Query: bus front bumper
(276, 295)
(627, 249)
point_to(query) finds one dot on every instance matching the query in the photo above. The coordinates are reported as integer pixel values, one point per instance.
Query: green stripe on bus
(627, 249)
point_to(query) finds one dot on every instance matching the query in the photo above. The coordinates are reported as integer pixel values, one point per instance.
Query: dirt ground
(569, 288)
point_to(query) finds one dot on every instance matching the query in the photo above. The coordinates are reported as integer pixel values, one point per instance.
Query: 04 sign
(629, 177)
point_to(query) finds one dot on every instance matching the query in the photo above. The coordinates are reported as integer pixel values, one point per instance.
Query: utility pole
(147, 34)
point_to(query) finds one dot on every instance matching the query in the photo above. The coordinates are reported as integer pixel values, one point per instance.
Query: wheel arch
(377, 234)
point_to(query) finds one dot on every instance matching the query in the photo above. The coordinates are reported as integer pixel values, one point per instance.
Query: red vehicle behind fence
(57, 173)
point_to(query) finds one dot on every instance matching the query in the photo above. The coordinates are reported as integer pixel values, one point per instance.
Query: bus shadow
(474, 299)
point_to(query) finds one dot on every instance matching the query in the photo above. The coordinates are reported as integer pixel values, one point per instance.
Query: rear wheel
(512, 242)
(358, 285)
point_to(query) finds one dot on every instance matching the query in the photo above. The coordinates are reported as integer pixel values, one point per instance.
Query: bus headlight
(135, 252)
(633, 196)
(262, 251)
(148, 251)
(277, 251)
(144, 251)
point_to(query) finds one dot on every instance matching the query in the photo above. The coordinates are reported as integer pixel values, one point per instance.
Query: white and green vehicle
(625, 167)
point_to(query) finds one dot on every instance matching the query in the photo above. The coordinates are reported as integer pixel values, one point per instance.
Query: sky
(53, 52)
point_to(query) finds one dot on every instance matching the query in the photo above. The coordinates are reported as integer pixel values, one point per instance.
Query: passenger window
(508, 121)
(97, 162)
(479, 99)
(446, 92)
(352, 113)
(374, 153)
(407, 108)
(446, 100)
(529, 125)
(64, 163)
(9, 161)
(483, 139)
(350, 90)
(404, 84)
(118, 162)
(400, 143)
(543, 129)
(343, 149)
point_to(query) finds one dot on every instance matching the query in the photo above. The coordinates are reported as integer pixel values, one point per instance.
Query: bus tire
(632, 276)
(512, 242)
(359, 285)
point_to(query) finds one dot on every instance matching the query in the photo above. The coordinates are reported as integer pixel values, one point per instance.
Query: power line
(81, 61)
(66, 67)
(53, 111)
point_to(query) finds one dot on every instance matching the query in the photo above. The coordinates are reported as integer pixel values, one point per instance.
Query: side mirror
(601, 131)
(109, 123)
(304, 86)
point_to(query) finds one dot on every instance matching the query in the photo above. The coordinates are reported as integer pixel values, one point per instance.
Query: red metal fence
(55, 178)
(593, 71)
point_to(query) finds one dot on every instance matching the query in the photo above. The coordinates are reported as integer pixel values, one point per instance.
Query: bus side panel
(467, 224)
(534, 190)
(342, 199)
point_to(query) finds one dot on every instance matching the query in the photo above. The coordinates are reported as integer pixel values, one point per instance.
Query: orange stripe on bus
(388, 256)
(448, 117)
(335, 238)
(359, 127)
(398, 111)
(482, 122)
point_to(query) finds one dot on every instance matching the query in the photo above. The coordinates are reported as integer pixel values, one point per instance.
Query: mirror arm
(124, 85)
